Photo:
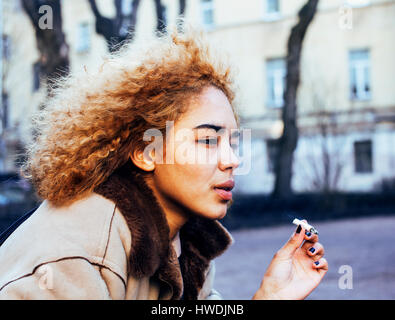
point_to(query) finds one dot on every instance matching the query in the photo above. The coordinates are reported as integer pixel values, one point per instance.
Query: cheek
(194, 177)
(191, 186)
(192, 171)
(189, 177)
(187, 183)
(197, 193)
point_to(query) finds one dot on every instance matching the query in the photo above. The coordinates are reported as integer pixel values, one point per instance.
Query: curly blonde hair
(93, 121)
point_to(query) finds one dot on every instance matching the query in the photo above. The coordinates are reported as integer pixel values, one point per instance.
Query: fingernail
(316, 263)
(312, 250)
(298, 229)
(307, 233)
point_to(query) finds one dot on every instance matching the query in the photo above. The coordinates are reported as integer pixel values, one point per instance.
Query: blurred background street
(365, 244)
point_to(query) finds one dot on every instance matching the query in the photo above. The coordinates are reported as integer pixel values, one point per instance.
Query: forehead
(212, 106)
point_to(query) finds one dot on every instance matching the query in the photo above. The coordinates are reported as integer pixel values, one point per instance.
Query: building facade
(346, 98)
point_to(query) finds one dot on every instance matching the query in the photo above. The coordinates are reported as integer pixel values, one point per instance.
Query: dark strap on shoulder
(5, 234)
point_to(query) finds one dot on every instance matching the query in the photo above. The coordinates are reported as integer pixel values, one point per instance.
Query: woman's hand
(294, 273)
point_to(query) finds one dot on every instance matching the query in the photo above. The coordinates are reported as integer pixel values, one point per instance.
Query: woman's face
(202, 156)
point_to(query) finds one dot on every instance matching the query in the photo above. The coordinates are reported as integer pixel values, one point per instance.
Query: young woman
(123, 217)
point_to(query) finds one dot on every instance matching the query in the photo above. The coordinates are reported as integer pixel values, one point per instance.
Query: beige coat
(113, 244)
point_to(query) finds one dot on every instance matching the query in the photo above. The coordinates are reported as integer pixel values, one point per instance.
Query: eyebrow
(216, 128)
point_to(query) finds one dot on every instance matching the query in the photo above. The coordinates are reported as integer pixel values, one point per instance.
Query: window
(363, 156)
(126, 10)
(83, 40)
(126, 7)
(6, 47)
(360, 88)
(4, 111)
(272, 7)
(271, 10)
(275, 77)
(207, 9)
(36, 76)
(272, 151)
(17, 5)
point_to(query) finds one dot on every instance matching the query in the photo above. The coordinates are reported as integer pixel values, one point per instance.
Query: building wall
(324, 87)
(244, 31)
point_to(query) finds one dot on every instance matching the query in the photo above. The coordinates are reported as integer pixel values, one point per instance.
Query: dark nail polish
(298, 229)
(312, 250)
(316, 263)
(307, 233)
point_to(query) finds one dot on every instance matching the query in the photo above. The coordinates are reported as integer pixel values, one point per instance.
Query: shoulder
(91, 229)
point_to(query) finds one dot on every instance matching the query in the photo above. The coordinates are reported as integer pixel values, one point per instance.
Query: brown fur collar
(151, 254)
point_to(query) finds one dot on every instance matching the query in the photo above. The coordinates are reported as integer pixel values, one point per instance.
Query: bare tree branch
(122, 27)
(160, 17)
(51, 42)
(119, 28)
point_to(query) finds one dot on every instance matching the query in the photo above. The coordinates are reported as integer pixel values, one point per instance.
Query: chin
(218, 213)
(221, 216)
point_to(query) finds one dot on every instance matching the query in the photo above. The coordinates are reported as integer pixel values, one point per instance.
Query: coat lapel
(151, 252)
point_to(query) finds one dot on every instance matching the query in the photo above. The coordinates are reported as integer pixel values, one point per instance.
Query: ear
(144, 160)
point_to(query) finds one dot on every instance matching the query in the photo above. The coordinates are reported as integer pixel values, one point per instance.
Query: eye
(209, 141)
(234, 146)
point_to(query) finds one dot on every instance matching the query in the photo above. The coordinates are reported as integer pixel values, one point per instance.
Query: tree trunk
(51, 42)
(288, 141)
(182, 5)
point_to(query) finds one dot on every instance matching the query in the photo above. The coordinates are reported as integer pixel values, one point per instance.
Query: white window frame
(271, 15)
(17, 5)
(358, 3)
(361, 68)
(276, 70)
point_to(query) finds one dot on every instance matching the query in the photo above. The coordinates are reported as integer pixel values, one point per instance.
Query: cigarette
(305, 225)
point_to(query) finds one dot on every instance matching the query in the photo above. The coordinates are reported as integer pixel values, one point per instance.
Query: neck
(176, 217)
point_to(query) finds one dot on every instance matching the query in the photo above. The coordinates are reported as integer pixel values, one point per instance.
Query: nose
(228, 158)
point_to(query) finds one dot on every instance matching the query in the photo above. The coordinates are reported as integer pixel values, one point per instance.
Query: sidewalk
(365, 244)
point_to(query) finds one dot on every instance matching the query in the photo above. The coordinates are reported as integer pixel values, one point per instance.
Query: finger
(311, 241)
(310, 237)
(293, 243)
(321, 265)
(317, 250)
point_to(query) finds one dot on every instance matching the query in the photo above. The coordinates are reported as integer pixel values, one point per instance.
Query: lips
(224, 189)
